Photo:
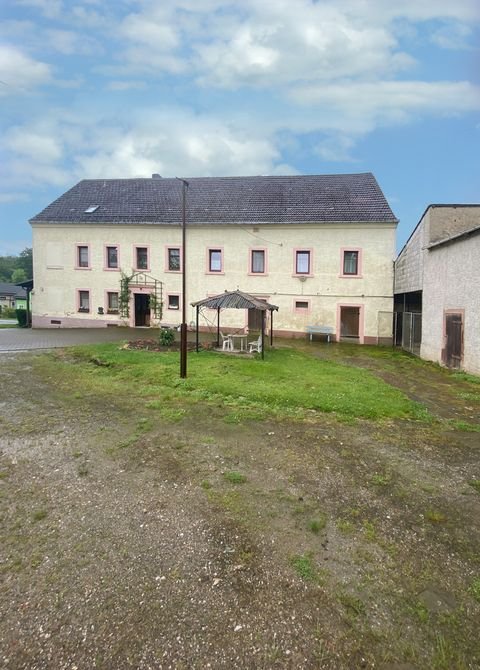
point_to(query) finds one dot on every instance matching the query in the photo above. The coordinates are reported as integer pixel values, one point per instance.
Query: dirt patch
(129, 541)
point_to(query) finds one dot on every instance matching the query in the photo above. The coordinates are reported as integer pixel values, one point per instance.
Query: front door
(350, 322)
(255, 317)
(142, 309)
(454, 340)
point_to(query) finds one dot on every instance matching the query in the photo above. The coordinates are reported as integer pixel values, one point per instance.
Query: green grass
(318, 524)
(286, 383)
(475, 588)
(235, 477)
(434, 516)
(475, 484)
(305, 568)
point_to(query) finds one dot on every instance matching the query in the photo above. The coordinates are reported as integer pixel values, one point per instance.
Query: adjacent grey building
(437, 287)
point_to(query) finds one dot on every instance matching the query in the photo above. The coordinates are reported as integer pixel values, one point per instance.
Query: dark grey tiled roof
(12, 290)
(234, 300)
(224, 200)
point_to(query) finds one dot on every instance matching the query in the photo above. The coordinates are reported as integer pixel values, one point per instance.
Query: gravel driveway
(25, 339)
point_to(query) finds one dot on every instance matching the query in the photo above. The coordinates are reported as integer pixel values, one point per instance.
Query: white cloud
(126, 85)
(170, 141)
(52, 9)
(358, 107)
(13, 196)
(18, 71)
(452, 36)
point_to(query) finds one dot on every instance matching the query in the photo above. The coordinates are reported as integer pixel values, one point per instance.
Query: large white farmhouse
(108, 252)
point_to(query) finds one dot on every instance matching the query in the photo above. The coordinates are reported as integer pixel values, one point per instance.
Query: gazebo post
(271, 327)
(263, 333)
(218, 327)
(196, 330)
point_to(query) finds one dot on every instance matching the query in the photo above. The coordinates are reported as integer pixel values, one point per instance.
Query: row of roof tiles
(224, 200)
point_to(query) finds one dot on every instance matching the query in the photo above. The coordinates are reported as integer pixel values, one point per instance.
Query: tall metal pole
(183, 327)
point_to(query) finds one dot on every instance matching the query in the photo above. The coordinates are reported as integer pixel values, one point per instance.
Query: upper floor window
(302, 262)
(82, 256)
(214, 260)
(141, 258)
(257, 261)
(173, 259)
(112, 257)
(351, 262)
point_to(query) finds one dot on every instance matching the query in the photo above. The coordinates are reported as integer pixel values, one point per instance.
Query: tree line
(15, 269)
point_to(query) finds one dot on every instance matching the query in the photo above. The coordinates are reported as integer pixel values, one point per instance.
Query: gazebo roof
(234, 300)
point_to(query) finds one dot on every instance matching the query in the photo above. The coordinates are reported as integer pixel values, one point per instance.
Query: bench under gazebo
(235, 300)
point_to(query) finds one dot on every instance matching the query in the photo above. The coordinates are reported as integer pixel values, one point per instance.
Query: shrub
(166, 337)
(21, 317)
(8, 312)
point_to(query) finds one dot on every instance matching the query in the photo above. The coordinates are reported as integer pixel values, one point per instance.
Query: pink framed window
(301, 306)
(141, 258)
(302, 262)
(258, 262)
(215, 260)
(351, 262)
(83, 300)
(173, 301)
(112, 302)
(173, 259)
(112, 257)
(82, 257)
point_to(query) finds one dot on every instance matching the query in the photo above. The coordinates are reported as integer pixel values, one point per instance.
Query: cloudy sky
(124, 88)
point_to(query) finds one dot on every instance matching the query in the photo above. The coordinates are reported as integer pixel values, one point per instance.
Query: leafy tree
(7, 266)
(10, 264)
(25, 262)
(18, 275)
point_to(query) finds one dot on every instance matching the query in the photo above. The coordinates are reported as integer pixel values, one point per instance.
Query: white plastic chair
(227, 344)
(255, 346)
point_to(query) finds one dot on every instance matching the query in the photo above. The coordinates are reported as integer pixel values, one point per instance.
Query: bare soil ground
(130, 541)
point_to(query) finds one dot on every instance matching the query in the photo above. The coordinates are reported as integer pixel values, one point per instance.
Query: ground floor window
(173, 301)
(112, 302)
(84, 301)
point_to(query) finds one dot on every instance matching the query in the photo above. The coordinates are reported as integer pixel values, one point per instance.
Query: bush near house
(21, 315)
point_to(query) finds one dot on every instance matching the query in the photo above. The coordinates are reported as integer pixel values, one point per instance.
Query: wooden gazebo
(235, 300)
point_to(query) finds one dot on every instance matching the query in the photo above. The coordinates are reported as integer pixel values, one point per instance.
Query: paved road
(24, 339)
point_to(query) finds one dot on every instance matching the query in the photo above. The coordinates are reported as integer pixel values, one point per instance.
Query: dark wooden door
(454, 340)
(349, 322)
(142, 309)
(255, 317)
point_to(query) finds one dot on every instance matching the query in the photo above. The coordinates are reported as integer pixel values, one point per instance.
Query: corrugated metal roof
(234, 300)
(223, 200)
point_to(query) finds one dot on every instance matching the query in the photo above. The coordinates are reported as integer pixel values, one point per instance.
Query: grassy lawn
(319, 509)
(287, 383)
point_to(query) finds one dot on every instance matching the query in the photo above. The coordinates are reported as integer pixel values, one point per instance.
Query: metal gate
(452, 354)
(412, 332)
